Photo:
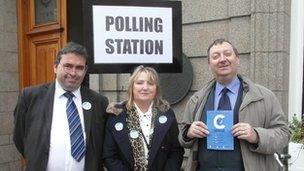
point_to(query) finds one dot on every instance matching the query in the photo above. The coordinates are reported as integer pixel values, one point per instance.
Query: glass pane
(45, 11)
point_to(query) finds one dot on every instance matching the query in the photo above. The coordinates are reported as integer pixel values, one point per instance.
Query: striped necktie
(76, 134)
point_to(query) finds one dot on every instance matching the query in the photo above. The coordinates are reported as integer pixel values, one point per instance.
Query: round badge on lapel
(86, 105)
(134, 134)
(118, 126)
(162, 119)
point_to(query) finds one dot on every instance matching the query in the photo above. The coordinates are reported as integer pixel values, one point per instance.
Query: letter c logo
(218, 121)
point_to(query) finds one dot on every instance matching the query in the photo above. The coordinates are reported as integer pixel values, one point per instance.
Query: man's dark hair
(72, 47)
(219, 42)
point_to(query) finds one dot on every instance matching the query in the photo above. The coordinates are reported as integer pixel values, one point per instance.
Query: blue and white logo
(218, 121)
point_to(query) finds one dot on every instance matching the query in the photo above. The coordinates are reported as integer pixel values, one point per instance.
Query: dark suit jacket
(33, 120)
(165, 153)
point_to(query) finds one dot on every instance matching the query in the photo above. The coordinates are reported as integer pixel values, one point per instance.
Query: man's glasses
(69, 68)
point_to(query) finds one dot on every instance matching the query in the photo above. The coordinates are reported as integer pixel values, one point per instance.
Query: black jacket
(165, 154)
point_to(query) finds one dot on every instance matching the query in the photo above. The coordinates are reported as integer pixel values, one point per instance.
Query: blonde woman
(141, 133)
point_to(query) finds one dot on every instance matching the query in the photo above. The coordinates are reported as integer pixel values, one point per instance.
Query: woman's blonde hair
(159, 102)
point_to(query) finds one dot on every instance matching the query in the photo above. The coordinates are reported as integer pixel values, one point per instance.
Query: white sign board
(132, 34)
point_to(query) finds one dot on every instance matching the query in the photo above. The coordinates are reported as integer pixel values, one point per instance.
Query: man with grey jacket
(258, 125)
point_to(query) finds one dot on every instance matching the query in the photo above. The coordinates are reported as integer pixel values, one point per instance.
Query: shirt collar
(142, 113)
(233, 86)
(59, 91)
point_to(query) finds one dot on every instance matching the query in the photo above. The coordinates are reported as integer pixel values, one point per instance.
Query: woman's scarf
(136, 138)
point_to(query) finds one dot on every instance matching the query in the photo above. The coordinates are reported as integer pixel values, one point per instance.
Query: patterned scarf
(136, 139)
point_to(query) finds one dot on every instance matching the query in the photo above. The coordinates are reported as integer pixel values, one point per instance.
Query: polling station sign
(122, 35)
(132, 34)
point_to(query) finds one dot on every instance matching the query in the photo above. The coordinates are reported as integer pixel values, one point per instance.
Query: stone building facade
(9, 157)
(260, 30)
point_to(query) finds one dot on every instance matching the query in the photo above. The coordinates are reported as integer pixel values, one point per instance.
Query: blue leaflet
(219, 124)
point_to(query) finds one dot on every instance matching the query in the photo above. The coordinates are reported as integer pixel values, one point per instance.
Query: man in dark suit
(43, 129)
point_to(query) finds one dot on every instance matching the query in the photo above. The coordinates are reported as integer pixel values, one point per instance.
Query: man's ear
(238, 60)
(55, 67)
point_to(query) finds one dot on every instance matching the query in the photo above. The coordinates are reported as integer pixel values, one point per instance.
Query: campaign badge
(118, 126)
(134, 134)
(86, 105)
(162, 119)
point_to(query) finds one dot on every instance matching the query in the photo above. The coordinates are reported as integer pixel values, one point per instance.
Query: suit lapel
(47, 108)
(87, 113)
(160, 130)
(122, 137)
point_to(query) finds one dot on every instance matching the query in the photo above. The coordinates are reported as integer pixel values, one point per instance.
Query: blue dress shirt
(233, 87)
